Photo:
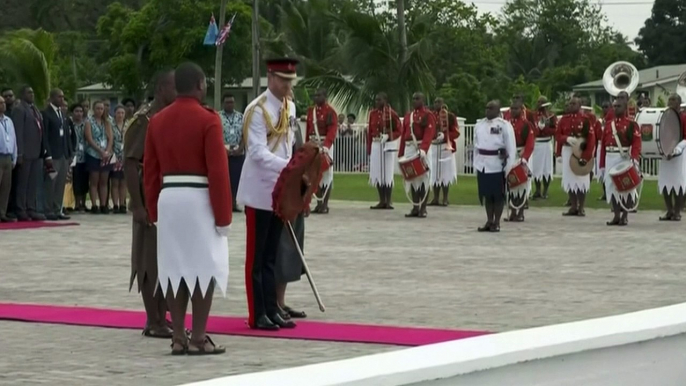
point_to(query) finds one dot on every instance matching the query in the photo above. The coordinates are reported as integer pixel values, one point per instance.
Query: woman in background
(79, 172)
(118, 186)
(99, 143)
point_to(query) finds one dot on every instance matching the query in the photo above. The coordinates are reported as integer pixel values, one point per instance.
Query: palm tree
(29, 56)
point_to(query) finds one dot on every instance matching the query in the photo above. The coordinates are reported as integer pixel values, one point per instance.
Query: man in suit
(28, 125)
(55, 129)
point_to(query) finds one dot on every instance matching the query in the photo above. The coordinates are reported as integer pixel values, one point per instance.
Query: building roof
(647, 77)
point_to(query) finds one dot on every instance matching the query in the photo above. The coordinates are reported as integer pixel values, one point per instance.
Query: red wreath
(291, 195)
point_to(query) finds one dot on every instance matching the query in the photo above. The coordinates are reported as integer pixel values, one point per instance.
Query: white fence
(350, 155)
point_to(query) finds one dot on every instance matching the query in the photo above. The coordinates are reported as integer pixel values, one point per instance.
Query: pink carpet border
(230, 325)
(21, 225)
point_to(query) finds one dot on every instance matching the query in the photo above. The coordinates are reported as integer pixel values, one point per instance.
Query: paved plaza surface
(370, 267)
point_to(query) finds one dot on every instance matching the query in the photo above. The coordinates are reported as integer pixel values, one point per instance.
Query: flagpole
(218, 61)
(255, 49)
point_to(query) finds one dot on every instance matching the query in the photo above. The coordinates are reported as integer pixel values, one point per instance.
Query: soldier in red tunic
(443, 147)
(525, 140)
(322, 126)
(187, 193)
(612, 153)
(574, 127)
(383, 136)
(528, 114)
(622, 97)
(419, 128)
(545, 125)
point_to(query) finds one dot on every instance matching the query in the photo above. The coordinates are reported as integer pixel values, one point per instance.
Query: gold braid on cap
(277, 131)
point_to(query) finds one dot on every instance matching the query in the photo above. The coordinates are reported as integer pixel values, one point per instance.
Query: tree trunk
(402, 32)
(218, 84)
(255, 48)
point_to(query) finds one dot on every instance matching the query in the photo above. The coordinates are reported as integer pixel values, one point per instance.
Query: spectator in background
(108, 111)
(10, 102)
(232, 126)
(99, 144)
(8, 159)
(28, 125)
(58, 145)
(86, 105)
(130, 106)
(344, 127)
(117, 184)
(79, 171)
(8, 95)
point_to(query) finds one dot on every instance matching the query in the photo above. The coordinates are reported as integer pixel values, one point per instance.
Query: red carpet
(227, 325)
(8, 226)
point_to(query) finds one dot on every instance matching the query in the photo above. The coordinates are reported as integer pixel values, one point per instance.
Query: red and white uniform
(322, 124)
(420, 126)
(541, 165)
(598, 131)
(383, 138)
(629, 136)
(574, 127)
(187, 193)
(442, 161)
(525, 139)
(672, 174)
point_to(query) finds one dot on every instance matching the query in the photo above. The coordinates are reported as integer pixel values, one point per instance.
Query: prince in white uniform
(494, 156)
(269, 147)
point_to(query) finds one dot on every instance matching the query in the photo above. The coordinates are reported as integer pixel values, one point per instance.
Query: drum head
(669, 131)
(620, 168)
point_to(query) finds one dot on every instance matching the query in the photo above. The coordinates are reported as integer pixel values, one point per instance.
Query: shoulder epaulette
(144, 111)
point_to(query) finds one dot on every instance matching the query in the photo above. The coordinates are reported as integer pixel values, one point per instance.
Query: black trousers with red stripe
(263, 234)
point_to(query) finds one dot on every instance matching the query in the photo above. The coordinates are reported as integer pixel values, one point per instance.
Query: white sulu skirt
(382, 163)
(188, 245)
(612, 159)
(442, 163)
(672, 175)
(596, 165)
(542, 161)
(423, 181)
(570, 181)
(327, 177)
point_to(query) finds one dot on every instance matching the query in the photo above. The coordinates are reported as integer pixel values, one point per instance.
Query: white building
(381, 6)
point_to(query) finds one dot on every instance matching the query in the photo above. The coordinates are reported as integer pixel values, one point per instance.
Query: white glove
(679, 149)
(384, 137)
(601, 174)
(325, 150)
(440, 137)
(422, 153)
(524, 161)
(222, 231)
(571, 141)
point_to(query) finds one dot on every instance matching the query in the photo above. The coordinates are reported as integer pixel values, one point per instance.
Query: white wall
(646, 348)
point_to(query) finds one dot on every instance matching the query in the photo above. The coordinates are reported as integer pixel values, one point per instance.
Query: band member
(542, 158)
(671, 180)
(322, 126)
(524, 142)
(528, 114)
(494, 155)
(597, 130)
(269, 146)
(444, 169)
(419, 128)
(620, 136)
(188, 194)
(383, 136)
(607, 107)
(572, 128)
(622, 97)
(144, 240)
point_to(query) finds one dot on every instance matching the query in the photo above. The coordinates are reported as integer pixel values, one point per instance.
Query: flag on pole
(224, 34)
(211, 35)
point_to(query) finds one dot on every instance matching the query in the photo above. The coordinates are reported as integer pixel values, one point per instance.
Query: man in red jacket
(187, 193)
(525, 139)
(322, 126)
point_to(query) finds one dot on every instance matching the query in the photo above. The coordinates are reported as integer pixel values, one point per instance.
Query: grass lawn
(355, 187)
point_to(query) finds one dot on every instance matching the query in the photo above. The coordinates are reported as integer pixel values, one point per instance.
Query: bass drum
(647, 119)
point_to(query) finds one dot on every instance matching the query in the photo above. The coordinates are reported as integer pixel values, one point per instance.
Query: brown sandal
(183, 344)
(201, 349)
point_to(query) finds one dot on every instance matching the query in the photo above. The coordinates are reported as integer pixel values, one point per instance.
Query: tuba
(620, 76)
(444, 120)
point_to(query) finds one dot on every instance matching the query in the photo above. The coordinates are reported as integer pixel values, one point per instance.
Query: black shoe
(104, 210)
(51, 217)
(264, 323)
(485, 228)
(63, 217)
(95, 210)
(115, 209)
(279, 321)
(37, 217)
(7, 219)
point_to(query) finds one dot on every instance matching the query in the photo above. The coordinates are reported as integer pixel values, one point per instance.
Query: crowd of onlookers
(52, 159)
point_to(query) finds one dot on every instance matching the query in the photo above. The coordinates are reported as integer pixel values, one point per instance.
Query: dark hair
(74, 107)
(2, 91)
(187, 77)
(159, 77)
(228, 95)
(351, 115)
(127, 100)
(23, 89)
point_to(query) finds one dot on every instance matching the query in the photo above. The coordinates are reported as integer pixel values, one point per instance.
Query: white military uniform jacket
(492, 135)
(262, 167)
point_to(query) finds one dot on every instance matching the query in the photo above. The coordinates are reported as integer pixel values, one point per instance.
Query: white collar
(57, 110)
(271, 97)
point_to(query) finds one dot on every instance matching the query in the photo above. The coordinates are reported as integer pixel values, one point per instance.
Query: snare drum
(625, 176)
(413, 167)
(518, 176)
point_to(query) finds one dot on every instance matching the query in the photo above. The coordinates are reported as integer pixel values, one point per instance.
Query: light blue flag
(212, 32)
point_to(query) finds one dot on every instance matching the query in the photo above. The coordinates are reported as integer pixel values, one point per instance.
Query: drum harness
(321, 144)
(624, 155)
(427, 183)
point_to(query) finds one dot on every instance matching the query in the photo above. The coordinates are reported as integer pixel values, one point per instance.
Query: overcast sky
(627, 16)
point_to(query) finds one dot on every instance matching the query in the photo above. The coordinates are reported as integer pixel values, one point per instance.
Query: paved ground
(370, 266)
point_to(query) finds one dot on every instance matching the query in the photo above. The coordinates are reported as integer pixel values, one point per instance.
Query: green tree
(28, 55)
(661, 38)
(462, 94)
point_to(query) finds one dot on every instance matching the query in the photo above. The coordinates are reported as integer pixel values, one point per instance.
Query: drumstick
(307, 269)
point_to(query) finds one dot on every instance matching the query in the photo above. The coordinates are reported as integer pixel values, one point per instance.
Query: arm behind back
(217, 164)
